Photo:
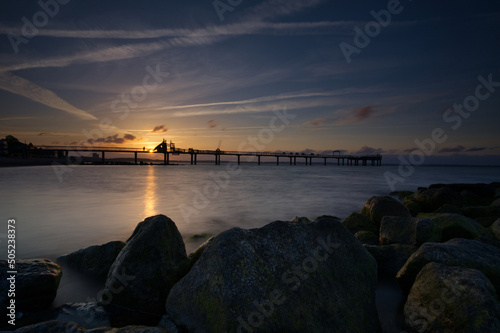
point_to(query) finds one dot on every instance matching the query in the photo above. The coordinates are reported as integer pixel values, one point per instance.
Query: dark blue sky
(96, 71)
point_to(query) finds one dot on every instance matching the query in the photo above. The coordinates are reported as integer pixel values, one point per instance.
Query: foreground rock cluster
(441, 244)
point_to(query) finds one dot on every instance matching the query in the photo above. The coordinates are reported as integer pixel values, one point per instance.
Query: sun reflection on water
(150, 199)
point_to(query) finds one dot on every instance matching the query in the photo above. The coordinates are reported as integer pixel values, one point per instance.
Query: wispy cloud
(366, 150)
(160, 129)
(20, 86)
(457, 149)
(113, 139)
(212, 123)
(358, 115)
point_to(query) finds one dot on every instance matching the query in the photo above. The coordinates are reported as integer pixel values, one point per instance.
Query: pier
(168, 150)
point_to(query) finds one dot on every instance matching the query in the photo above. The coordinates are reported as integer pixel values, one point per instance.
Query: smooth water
(97, 204)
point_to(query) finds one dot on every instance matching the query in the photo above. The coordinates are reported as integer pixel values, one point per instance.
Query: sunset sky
(130, 73)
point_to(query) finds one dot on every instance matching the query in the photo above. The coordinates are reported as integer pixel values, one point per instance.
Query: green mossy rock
(456, 252)
(432, 198)
(283, 277)
(452, 299)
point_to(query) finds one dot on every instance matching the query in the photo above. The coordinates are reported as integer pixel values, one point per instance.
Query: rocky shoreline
(440, 245)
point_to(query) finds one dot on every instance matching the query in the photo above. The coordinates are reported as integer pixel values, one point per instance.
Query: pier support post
(290, 161)
(277, 160)
(192, 158)
(195, 159)
(325, 161)
(295, 160)
(103, 158)
(258, 158)
(135, 158)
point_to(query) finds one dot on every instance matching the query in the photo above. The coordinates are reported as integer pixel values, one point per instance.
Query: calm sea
(97, 204)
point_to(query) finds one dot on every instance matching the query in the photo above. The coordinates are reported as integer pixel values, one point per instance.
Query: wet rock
(283, 277)
(456, 252)
(36, 283)
(453, 299)
(151, 262)
(496, 203)
(93, 261)
(378, 207)
(405, 230)
(359, 222)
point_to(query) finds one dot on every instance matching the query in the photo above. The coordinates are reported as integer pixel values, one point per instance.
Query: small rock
(378, 207)
(496, 203)
(453, 299)
(95, 260)
(359, 222)
(36, 283)
(433, 198)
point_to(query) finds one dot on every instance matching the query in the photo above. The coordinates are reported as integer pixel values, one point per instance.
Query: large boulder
(452, 299)
(93, 261)
(153, 260)
(35, 283)
(359, 222)
(449, 226)
(390, 258)
(432, 198)
(405, 230)
(378, 207)
(283, 277)
(456, 252)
